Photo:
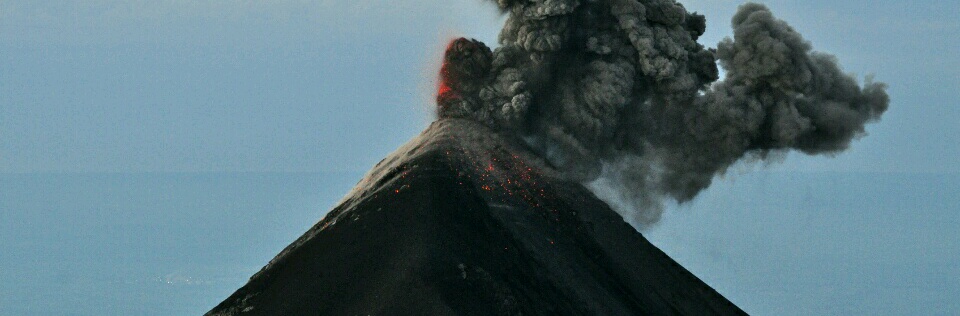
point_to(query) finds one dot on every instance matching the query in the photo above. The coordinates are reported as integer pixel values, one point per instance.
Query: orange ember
(444, 90)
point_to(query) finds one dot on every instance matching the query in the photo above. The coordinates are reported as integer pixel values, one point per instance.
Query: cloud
(619, 93)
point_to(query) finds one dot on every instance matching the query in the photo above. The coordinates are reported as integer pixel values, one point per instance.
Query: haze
(146, 144)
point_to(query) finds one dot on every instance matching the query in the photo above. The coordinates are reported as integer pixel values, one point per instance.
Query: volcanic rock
(464, 221)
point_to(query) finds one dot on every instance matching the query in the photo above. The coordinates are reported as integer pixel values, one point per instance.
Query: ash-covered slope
(461, 221)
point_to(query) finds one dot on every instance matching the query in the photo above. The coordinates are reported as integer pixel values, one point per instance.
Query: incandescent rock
(464, 221)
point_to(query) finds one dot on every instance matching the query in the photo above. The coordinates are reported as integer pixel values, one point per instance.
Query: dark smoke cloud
(620, 91)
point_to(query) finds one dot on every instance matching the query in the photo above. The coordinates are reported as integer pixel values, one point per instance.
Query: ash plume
(620, 94)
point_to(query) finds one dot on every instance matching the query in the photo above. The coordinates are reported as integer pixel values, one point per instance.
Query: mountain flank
(464, 221)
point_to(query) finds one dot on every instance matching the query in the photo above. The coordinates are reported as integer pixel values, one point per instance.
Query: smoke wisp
(620, 94)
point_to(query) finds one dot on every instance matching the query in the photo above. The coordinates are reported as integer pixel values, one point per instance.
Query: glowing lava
(444, 92)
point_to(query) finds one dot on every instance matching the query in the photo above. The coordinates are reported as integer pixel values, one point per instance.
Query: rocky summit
(464, 221)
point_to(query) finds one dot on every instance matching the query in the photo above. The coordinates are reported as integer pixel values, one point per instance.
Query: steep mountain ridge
(463, 221)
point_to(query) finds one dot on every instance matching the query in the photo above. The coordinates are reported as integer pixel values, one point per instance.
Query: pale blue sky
(333, 86)
(133, 86)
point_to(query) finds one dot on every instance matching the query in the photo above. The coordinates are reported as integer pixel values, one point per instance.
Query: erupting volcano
(488, 211)
(464, 221)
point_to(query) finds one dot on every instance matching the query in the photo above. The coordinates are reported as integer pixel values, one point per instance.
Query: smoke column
(620, 94)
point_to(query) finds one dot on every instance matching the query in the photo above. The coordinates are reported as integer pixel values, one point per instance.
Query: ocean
(178, 243)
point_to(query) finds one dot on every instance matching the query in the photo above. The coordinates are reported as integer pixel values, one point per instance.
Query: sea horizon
(177, 243)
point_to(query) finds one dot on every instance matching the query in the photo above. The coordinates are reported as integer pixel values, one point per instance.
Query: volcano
(465, 221)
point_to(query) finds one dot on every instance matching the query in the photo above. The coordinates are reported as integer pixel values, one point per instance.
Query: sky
(205, 89)
(186, 86)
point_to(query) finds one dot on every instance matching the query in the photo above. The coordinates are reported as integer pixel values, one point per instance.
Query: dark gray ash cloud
(620, 91)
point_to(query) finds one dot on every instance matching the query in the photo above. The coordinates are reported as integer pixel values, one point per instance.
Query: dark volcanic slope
(462, 222)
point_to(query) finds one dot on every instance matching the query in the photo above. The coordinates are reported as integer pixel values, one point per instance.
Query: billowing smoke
(618, 93)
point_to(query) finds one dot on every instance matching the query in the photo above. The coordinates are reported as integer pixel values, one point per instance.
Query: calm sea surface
(178, 244)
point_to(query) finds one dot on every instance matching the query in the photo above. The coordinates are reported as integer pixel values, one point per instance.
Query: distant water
(824, 243)
(147, 244)
(178, 244)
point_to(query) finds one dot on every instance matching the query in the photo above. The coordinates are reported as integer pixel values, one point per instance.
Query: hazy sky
(134, 86)
(335, 85)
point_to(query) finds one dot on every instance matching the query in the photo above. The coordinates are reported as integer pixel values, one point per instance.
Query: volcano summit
(463, 221)
(486, 212)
